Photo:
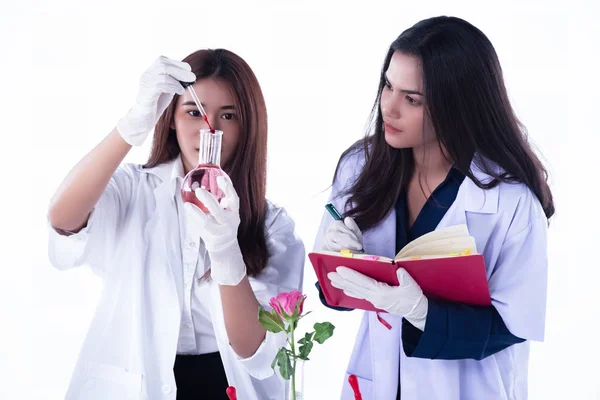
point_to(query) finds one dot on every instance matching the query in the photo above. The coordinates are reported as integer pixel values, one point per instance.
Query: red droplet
(231, 393)
(208, 123)
(353, 381)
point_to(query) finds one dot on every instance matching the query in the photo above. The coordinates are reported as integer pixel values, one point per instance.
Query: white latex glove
(219, 231)
(343, 235)
(156, 89)
(406, 300)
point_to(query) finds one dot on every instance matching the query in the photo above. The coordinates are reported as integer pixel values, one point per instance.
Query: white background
(69, 71)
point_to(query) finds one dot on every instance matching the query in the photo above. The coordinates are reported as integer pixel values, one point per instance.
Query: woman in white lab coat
(445, 148)
(178, 313)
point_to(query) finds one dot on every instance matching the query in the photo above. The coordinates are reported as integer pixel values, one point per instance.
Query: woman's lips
(390, 129)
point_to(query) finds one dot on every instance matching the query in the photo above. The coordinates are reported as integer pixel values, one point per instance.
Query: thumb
(404, 278)
(351, 224)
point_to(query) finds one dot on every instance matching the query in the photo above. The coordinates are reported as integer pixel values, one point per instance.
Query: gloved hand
(219, 231)
(406, 300)
(157, 87)
(343, 235)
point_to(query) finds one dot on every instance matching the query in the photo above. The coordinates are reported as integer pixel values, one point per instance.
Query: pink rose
(285, 304)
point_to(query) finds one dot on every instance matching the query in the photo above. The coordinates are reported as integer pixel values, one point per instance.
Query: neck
(430, 160)
(187, 167)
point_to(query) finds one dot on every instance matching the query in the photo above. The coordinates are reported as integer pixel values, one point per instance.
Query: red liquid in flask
(205, 177)
(208, 170)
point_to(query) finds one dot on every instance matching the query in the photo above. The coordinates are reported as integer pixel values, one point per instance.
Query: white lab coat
(132, 240)
(509, 228)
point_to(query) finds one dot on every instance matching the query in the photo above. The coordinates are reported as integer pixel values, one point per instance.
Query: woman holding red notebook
(444, 148)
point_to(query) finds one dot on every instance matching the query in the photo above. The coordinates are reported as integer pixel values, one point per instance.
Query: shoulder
(152, 176)
(515, 201)
(277, 219)
(518, 199)
(351, 163)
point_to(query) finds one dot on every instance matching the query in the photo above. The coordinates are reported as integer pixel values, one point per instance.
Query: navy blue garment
(452, 331)
(322, 298)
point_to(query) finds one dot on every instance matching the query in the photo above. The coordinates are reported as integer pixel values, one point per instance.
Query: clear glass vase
(205, 174)
(298, 382)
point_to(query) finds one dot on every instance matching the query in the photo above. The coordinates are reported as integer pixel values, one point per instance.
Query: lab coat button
(167, 389)
(192, 244)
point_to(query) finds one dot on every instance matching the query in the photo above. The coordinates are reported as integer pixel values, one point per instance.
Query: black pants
(200, 377)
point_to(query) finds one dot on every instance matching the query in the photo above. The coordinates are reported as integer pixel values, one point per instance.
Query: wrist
(418, 315)
(134, 127)
(227, 265)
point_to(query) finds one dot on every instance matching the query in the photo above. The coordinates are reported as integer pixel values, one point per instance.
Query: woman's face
(218, 102)
(402, 103)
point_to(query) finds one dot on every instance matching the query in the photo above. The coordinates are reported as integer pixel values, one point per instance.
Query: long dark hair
(248, 167)
(466, 104)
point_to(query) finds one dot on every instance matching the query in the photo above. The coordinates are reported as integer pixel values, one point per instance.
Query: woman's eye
(228, 116)
(412, 101)
(194, 113)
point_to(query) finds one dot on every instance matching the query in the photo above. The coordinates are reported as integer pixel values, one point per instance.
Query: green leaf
(323, 331)
(306, 345)
(307, 338)
(274, 363)
(305, 351)
(270, 320)
(285, 366)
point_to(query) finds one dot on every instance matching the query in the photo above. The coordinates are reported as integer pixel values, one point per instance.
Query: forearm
(240, 310)
(458, 331)
(83, 186)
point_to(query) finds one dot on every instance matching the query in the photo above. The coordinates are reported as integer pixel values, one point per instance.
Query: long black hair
(466, 104)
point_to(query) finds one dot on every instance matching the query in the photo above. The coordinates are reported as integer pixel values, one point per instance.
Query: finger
(174, 69)
(347, 286)
(357, 278)
(211, 203)
(177, 63)
(338, 226)
(345, 241)
(168, 83)
(354, 294)
(226, 185)
(351, 224)
(404, 278)
(168, 89)
(194, 213)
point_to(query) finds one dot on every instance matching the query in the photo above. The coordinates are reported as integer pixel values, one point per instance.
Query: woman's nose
(389, 110)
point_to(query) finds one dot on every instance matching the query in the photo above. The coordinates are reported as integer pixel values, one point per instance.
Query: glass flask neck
(210, 147)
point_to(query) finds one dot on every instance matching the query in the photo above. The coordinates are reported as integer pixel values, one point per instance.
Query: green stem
(293, 365)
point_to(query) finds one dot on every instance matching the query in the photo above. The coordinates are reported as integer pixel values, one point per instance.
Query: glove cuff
(133, 127)
(418, 315)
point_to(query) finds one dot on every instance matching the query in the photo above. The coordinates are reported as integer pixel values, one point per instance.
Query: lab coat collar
(169, 171)
(478, 200)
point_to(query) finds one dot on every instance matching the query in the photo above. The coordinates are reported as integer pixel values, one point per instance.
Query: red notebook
(444, 263)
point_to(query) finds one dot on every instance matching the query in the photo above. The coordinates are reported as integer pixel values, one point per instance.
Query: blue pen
(336, 215)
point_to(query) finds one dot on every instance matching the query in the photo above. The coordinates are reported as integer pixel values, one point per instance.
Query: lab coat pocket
(364, 385)
(102, 382)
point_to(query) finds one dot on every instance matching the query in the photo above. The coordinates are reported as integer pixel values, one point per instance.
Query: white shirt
(131, 241)
(196, 334)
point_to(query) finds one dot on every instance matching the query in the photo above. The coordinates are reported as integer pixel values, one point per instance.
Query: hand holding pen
(342, 234)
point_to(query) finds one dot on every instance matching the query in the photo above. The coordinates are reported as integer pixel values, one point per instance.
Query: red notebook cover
(457, 279)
